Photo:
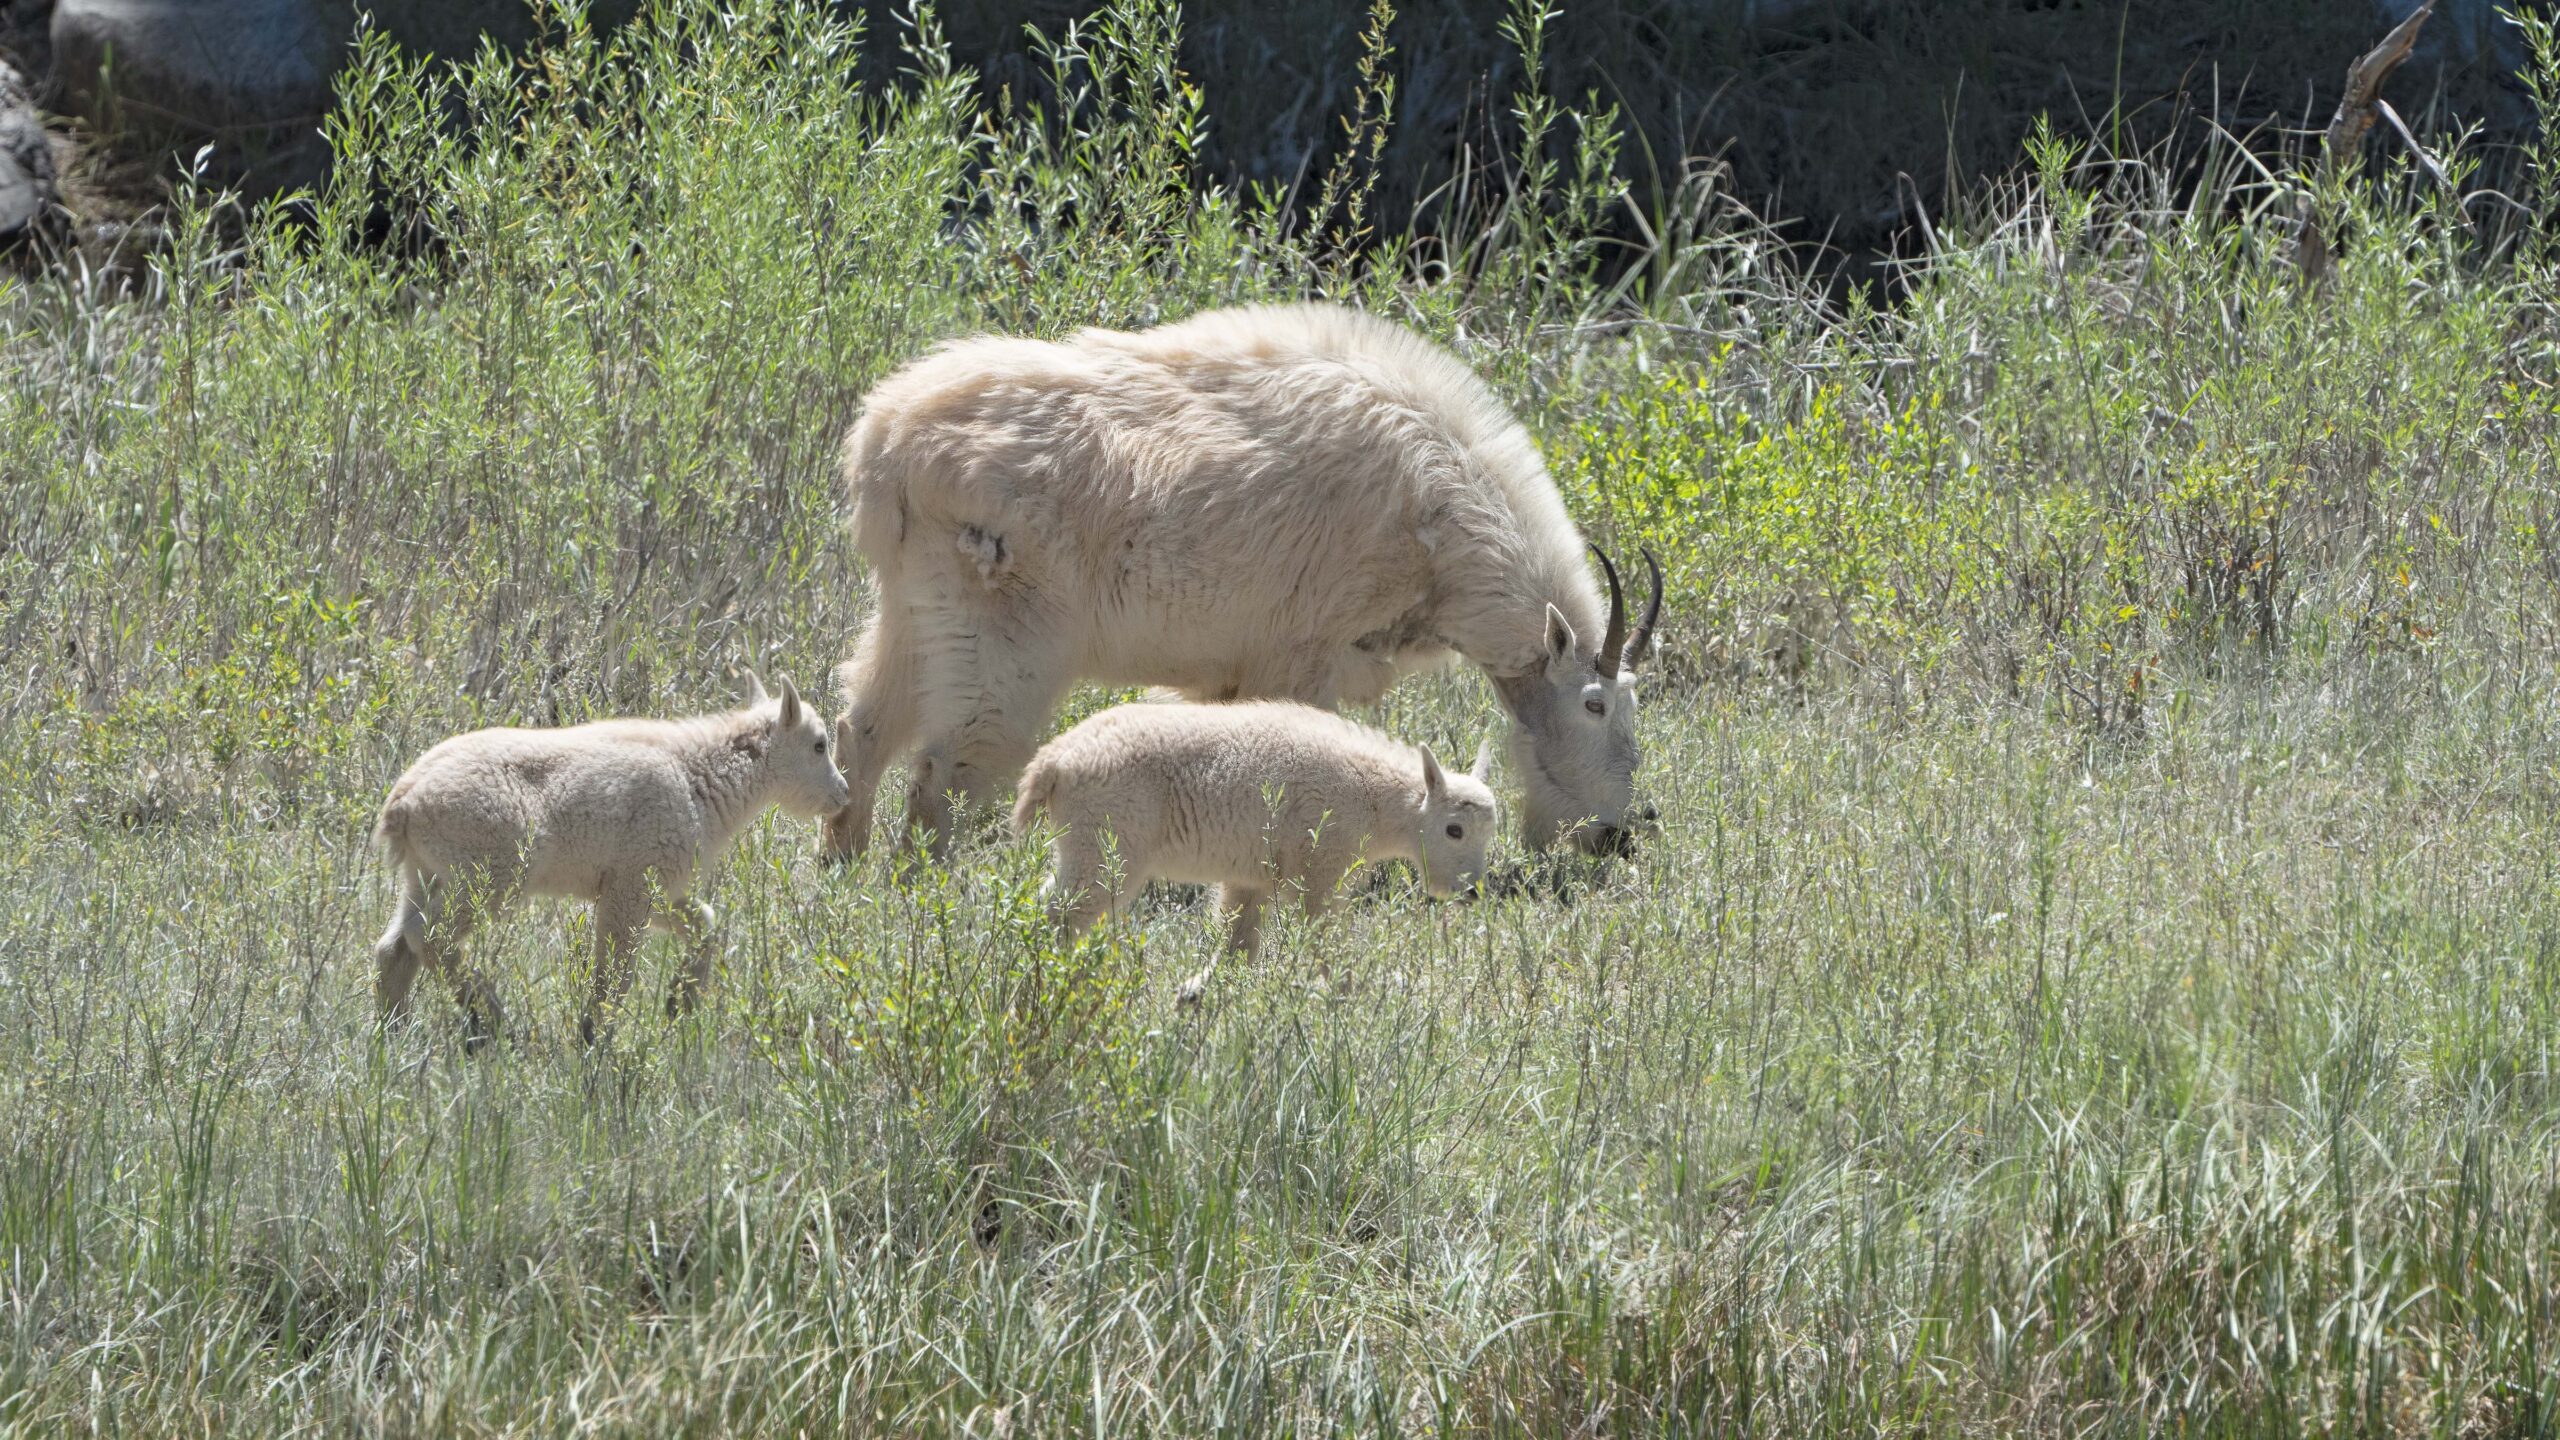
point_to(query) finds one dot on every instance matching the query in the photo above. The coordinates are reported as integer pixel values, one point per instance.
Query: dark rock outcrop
(252, 76)
(1854, 117)
(27, 177)
(454, 28)
(23, 38)
(196, 67)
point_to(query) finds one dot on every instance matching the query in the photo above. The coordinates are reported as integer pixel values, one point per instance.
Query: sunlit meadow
(2098, 971)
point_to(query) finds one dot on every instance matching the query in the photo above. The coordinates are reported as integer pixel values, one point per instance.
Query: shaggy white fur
(1248, 797)
(628, 814)
(1300, 502)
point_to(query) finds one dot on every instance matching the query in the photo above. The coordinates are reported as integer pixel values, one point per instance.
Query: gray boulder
(23, 28)
(253, 76)
(26, 159)
(197, 67)
(215, 67)
(2467, 39)
(454, 28)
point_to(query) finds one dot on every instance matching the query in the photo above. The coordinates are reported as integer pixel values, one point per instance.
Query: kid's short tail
(1032, 797)
(391, 827)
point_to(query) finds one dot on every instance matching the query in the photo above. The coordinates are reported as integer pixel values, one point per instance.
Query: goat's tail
(1039, 782)
(391, 827)
(875, 496)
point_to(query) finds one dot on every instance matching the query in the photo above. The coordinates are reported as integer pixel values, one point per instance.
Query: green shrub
(2100, 446)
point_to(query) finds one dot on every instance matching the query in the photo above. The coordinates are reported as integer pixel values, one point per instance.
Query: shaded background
(1817, 105)
(1840, 117)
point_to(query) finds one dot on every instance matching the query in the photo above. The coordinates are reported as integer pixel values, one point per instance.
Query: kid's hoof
(683, 997)
(1325, 985)
(1188, 994)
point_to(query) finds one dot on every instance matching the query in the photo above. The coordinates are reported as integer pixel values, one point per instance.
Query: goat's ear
(755, 687)
(1482, 770)
(790, 703)
(1560, 637)
(1433, 782)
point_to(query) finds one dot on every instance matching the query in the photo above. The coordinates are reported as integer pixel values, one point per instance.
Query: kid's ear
(790, 703)
(1433, 782)
(755, 687)
(1482, 770)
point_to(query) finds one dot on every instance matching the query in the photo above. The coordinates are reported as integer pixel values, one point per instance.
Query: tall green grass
(2098, 972)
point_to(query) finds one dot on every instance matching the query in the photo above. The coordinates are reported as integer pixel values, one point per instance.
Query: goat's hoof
(1188, 994)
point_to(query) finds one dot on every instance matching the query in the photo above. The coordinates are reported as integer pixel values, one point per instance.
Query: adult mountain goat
(1297, 503)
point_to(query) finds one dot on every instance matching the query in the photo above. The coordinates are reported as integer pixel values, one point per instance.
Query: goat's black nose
(1649, 814)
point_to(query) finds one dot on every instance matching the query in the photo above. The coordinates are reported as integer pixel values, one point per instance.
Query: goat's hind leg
(1080, 890)
(435, 916)
(397, 955)
(690, 920)
(622, 918)
(449, 916)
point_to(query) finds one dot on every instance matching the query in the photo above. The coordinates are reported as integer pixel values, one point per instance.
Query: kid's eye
(1457, 832)
(1595, 707)
(822, 747)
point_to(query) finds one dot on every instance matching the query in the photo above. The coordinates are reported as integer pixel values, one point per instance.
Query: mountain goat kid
(624, 813)
(1247, 797)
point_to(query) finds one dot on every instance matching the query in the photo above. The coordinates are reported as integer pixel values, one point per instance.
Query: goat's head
(799, 751)
(1573, 736)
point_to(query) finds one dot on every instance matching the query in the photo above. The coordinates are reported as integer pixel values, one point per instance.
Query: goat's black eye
(822, 747)
(1595, 707)
(1457, 832)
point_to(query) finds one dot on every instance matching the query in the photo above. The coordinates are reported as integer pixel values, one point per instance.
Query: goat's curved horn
(1606, 662)
(1633, 657)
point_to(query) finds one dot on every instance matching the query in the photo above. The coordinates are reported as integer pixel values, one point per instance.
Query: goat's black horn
(1615, 641)
(1634, 653)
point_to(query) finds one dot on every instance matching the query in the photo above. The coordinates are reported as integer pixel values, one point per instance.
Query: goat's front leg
(1241, 906)
(622, 917)
(691, 920)
(1315, 897)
